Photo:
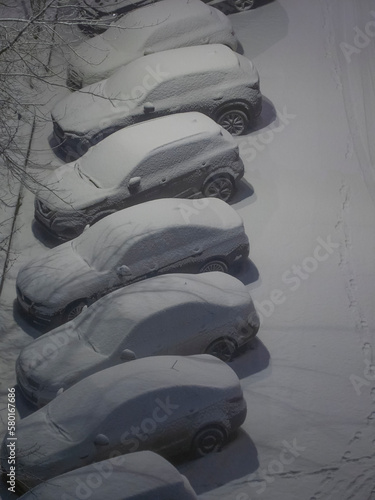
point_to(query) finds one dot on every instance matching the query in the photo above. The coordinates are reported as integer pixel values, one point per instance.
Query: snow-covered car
(210, 78)
(96, 16)
(142, 475)
(167, 404)
(167, 24)
(185, 155)
(181, 314)
(156, 237)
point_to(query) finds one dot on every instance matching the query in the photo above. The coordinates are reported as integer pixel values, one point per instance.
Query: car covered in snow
(96, 16)
(179, 314)
(167, 404)
(142, 475)
(167, 24)
(184, 155)
(156, 237)
(210, 78)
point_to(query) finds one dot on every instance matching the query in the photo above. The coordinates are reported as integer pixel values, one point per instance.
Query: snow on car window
(105, 330)
(112, 160)
(127, 86)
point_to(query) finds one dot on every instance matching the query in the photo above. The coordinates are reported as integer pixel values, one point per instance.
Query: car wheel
(219, 187)
(74, 309)
(223, 349)
(209, 440)
(214, 265)
(234, 121)
(243, 5)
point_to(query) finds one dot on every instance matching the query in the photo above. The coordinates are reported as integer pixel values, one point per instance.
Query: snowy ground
(309, 383)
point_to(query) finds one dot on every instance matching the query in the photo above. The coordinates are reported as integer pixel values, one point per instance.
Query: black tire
(223, 349)
(209, 440)
(220, 186)
(214, 265)
(243, 5)
(235, 121)
(73, 310)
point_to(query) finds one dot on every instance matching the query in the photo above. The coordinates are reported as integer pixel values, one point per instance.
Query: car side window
(156, 165)
(167, 163)
(163, 90)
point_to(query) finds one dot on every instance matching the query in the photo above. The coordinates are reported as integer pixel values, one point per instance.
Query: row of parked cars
(141, 311)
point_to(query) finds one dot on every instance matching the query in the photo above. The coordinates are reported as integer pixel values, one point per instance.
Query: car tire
(243, 5)
(209, 440)
(214, 265)
(219, 186)
(223, 349)
(235, 121)
(73, 310)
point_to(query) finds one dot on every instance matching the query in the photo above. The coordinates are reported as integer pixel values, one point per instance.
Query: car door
(169, 172)
(162, 98)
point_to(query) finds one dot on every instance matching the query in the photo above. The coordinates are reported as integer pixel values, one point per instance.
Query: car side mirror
(134, 183)
(127, 355)
(101, 440)
(123, 271)
(148, 107)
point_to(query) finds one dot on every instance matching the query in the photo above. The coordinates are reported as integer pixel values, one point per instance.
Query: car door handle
(218, 98)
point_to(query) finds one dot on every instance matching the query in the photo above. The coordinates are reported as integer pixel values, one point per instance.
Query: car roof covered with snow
(141, 475)
(108, 240)
(175, 63)
(202, 378)
(123, 150)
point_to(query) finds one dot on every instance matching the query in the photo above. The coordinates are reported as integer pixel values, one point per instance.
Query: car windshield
(112, 159)
(66, 416)
(126, 89)
(87, 176)
(101, 247)
(104, 329)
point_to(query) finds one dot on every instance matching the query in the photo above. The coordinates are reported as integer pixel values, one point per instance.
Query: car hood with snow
(70, 188)
(56, 277)
(86, 110)
(43, 367)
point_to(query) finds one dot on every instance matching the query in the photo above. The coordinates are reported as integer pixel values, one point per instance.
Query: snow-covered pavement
(310, 382)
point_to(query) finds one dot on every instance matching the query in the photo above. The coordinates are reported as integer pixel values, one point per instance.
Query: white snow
(313, 175)
(164, 25)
